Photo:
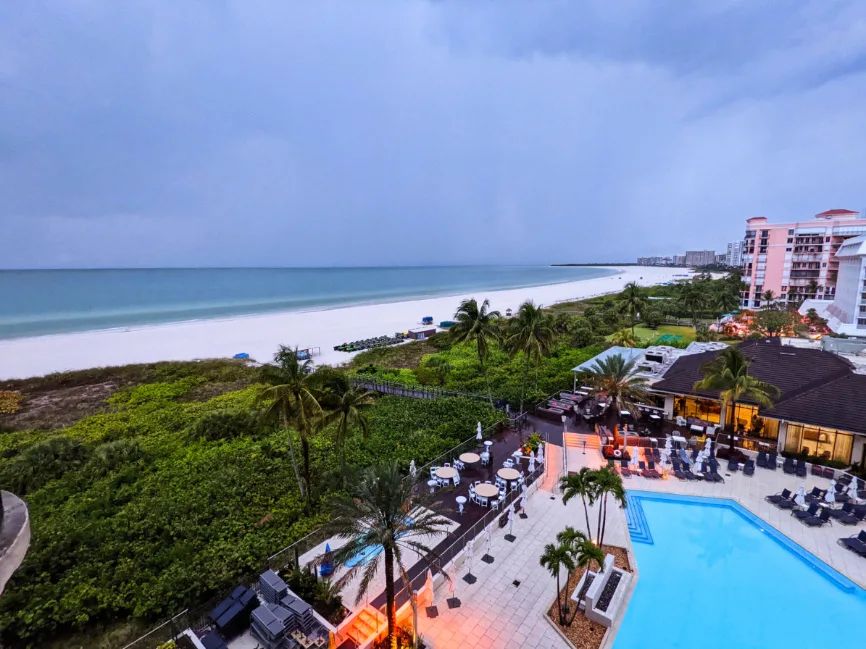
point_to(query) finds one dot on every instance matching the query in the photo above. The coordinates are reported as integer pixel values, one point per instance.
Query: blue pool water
(363, 558)
(714, 576)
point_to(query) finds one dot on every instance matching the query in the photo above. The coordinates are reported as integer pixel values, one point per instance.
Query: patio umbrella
(488, 538)
(523, 489)
(469, 556)
(412, 470)
(478, 435)
(709, 445)
(452, 588)
(541, 454)
(429, 585)
(800, 498)
(830, 496)
(852, 489)
(532, 456)
(510, 518)
(531, 466)
(634, 461)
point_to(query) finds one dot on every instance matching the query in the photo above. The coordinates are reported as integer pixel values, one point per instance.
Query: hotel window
(827, 443)
(790, 232)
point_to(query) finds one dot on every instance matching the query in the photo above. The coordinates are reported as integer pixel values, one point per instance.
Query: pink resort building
(796, 261)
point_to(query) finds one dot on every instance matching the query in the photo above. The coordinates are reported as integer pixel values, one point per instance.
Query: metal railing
(401, 389)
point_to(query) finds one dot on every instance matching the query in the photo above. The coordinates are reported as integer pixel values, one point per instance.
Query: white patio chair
(456, 480)
(514, 485)
(502, 492)
(508, 464)
(681, 421)
(494, 504)
(482, 501)
(448, 464)
(433, 470)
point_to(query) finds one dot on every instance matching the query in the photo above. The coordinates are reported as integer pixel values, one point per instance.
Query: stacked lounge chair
(733, 466)
(749, 467)
(772, 461)
(762, 459)
(623, 469)
(678, 469)
(789, 467)
(816, 495)
(801, 468)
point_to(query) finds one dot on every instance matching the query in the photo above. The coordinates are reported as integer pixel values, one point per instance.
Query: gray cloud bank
(243, 132)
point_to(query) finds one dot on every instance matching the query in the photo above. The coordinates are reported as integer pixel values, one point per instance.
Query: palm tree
(729, 374)
(580, 484)
(583, 553)
(725, 301)
(632, 301)
(476, 324)
(692, 299)
(385, 517)
(607, 483)
(529, 332)
(812, 288)
(290, 382)
(346, 405)
(769, 297)
(616, 377)
(624, 338)
(554, 558)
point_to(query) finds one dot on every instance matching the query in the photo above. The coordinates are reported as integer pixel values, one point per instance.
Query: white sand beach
(259, 335)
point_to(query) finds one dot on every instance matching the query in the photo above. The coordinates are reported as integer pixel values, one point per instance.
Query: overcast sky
(244, 132)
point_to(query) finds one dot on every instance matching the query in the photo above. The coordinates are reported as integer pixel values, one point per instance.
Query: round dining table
(446, 472)
(508, 474)
(470, 458)
(487, 490)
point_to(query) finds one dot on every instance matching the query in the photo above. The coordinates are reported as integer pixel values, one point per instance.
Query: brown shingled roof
(816, 386)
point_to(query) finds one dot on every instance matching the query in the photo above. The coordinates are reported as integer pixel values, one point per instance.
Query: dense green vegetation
(162, 495)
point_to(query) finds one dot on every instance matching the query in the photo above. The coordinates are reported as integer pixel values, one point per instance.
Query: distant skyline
(154, 133)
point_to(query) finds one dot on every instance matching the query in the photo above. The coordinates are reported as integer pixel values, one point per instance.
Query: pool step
(638, 528)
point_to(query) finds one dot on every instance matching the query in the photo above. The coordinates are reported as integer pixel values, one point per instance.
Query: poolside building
(821, 409)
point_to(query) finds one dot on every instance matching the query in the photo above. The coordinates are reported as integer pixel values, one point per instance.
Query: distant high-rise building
(700, 257)
(679, 260)
(797, 260)
(722, 259)
(735, 254)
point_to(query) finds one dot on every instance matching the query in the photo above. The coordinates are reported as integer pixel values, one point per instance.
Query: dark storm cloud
(160, 132)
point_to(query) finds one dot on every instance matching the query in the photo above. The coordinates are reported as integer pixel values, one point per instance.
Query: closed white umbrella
(830, 496)
(541, 453)
(531, 466)
(429, 585)
(452, 588)
(852, 489)
(488, 538)
(633, 459)
(709, 445)
(413, 471)
(532, 456)
(511, 518)
(669, 446)
(469, 555)
(478, 435)
(800, 498)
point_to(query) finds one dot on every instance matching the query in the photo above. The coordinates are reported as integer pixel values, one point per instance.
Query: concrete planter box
(595, 590)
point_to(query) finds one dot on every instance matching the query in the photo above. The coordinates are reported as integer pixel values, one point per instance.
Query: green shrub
(226, 424)
(41, 463)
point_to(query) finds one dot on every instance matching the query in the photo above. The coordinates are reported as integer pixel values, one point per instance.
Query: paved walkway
(497, 614)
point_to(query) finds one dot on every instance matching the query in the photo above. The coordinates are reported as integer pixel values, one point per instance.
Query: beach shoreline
(260, 334)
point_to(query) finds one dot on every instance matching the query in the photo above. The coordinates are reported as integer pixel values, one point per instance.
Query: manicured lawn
(645, 334)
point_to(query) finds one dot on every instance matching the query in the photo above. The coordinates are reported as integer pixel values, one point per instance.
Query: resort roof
(836, 404)
(795, 371)
(628, 353)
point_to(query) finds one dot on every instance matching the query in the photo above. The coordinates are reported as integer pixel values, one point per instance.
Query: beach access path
(260, 335)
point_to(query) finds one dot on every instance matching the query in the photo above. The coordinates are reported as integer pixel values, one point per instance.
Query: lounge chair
(678, 469)
(855, 543)
(623, 469)
(816, 495)
(772, 461)
(651, 469)
(762, 459)
(789, 467)
(801, 468)
(785, 495)
(845, 515)
(714, 471)
(706, 473)
(694, 457)
(817, 521)
(805, 513)
(646, 473)
(684, 458)
(733, 466)
(689, 475)
(749, 468)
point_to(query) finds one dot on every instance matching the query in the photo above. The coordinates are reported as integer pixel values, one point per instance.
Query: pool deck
(750, 492)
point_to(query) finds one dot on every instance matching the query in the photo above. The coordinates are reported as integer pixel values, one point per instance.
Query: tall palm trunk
(292, 453)
(523, 383)
(305, 450)
(586, 513)
(598, 528)
(604, 520)
(559, 598)
(486, 379)
(389, 597)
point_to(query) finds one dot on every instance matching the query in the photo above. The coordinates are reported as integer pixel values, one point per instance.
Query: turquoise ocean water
(40, 302)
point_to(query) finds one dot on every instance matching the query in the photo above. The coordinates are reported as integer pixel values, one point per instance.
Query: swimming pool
(714, 576)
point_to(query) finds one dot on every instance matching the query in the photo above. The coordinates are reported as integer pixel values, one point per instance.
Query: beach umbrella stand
(488, 557)
(469, 578)
(452, 600)
(432, 610)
